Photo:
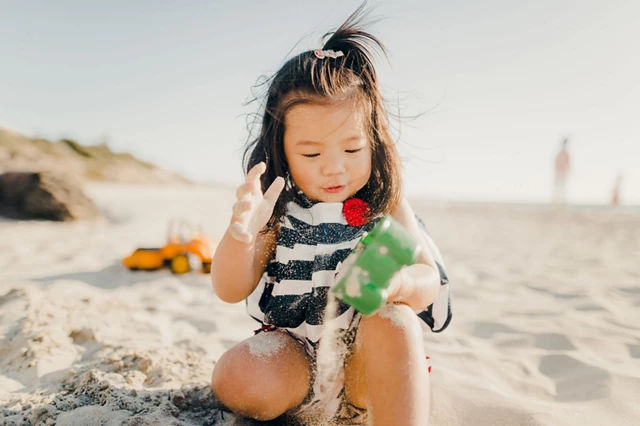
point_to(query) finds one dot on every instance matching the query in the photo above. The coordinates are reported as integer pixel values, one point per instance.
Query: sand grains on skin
(266, 344)
(391, 312)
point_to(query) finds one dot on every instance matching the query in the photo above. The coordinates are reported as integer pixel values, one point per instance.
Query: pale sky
(501, 82)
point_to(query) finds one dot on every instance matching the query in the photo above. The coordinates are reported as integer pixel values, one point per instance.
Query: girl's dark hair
(306, 78)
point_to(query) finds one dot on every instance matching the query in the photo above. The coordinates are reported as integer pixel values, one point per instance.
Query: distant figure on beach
(615, 193)
(562, 165)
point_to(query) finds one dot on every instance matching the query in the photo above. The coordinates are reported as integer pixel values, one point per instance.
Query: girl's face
(327, 149)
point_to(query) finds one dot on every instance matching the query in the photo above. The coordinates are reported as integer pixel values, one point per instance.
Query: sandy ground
(546, 327)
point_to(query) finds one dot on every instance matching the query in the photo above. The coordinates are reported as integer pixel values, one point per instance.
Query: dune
(546, 326)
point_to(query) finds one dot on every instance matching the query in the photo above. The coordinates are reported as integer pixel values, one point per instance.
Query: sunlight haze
(495, 85)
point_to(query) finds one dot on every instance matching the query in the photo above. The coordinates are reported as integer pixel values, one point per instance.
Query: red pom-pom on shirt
(356, 211)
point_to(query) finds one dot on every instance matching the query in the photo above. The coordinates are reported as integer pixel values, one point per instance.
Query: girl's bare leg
(387, 371)
(262, 377)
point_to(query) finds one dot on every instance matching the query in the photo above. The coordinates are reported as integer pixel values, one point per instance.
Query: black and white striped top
(313, 242)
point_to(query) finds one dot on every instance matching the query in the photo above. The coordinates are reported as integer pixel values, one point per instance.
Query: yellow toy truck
(180, 253)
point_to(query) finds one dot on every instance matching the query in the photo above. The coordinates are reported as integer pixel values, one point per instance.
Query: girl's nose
(334, 165)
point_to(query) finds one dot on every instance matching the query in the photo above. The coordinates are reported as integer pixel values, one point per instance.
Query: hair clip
(321, 54)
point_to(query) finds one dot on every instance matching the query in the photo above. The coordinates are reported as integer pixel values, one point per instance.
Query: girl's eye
(310, 155)
(351, 151)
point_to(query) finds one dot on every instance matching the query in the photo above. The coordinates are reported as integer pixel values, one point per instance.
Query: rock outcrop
(42, 179)
(43, 195)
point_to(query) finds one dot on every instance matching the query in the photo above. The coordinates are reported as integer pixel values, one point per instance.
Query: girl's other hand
(395, 290)
(252, 210)
(416, 285)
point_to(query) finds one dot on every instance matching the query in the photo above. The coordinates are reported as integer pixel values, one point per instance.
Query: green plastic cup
(366, 273)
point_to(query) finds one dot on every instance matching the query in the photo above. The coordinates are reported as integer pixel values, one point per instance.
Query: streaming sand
(546, 326)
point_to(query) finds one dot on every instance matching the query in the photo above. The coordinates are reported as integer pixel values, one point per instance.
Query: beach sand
(546, 325)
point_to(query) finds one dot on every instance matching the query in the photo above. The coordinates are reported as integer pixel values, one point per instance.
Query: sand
(546, 326)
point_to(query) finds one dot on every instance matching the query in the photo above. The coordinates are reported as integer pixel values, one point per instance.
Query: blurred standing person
(615, 193)
(562, 166)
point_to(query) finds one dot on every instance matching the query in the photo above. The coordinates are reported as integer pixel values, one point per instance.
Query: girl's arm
(416, 285)
(243, 253)
(237, 266)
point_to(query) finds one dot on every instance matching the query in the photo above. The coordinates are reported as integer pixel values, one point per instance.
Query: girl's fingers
(243, 190)
(251, 184)
(273, 192)
(241, 207)
(239, 232)
(256, 171)
(398, 280)
(249, 212)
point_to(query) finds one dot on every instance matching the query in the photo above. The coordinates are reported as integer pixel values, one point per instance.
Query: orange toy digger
(179, 253)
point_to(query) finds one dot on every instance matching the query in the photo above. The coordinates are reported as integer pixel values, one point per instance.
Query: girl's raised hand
(252, 210)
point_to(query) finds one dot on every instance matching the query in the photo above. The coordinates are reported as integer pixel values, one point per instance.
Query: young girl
(323, 171)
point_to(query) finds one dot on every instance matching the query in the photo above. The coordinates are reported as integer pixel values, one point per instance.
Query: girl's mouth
(334, 189)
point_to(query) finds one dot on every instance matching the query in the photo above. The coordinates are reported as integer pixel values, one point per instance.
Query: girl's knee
(240, 386)
(389, 339)
(231, 376)
(393, 321)
(257, 384)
